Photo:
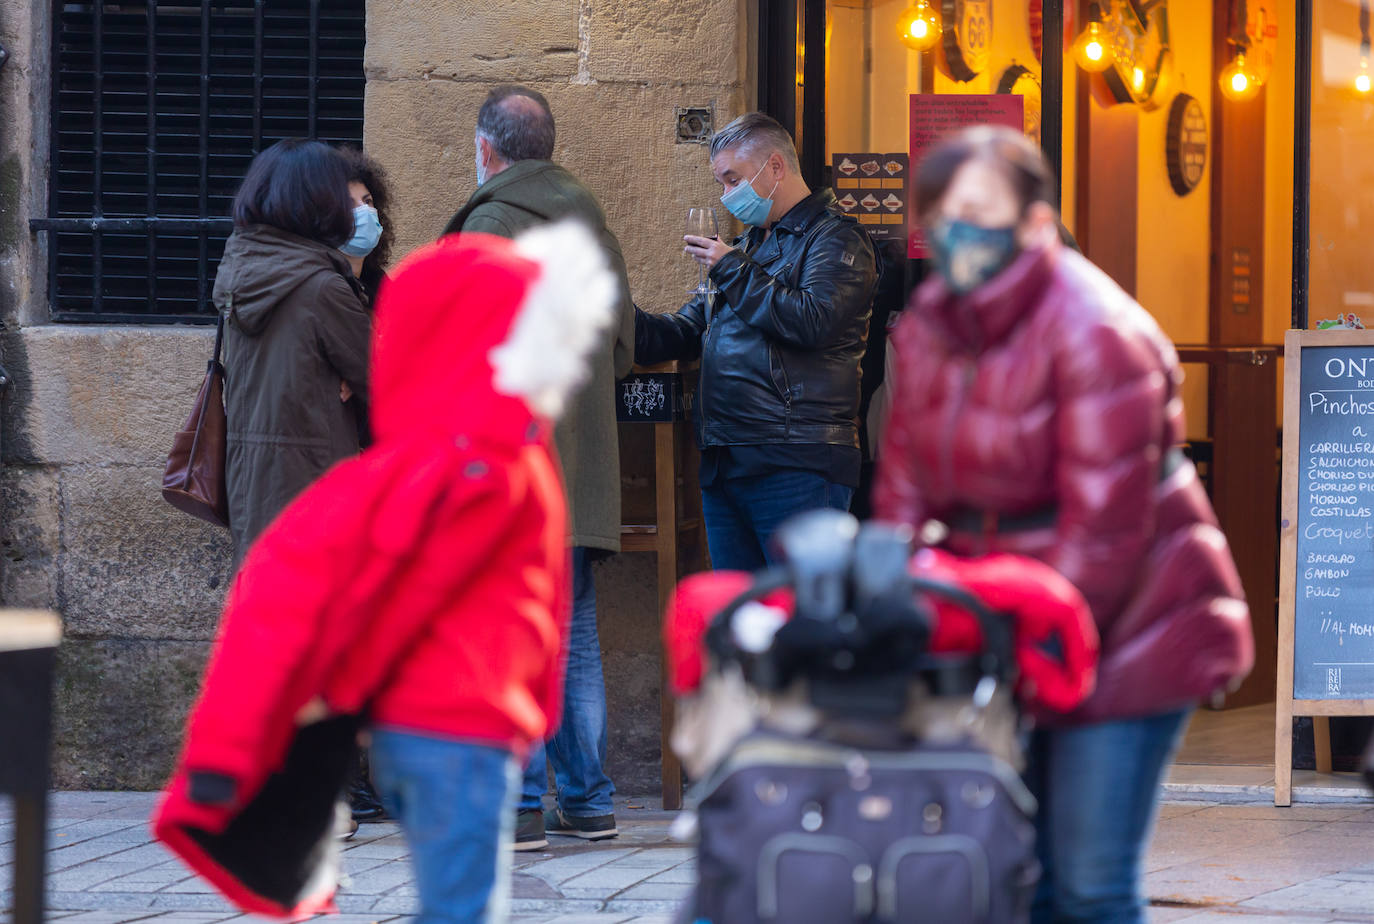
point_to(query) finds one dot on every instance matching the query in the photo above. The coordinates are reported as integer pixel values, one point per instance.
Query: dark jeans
(1098, 787)
(578, 749)
(743, 513)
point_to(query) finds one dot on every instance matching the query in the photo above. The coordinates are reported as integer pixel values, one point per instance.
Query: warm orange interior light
(920, 27)
(1362, 82)
(1238, 80)
(1090, 50)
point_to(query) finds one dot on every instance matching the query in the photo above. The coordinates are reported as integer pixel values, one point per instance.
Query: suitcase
(800, 830)
(878, 783)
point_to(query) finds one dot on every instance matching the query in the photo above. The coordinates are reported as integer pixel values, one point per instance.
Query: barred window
(157, 111)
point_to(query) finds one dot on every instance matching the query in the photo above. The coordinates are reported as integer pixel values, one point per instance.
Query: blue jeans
(578, 749)
(1098, 787)
(454, 801)
(743, 513)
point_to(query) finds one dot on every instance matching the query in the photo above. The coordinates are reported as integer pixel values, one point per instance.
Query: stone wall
(84, 431)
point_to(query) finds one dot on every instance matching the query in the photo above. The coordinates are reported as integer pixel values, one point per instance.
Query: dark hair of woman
(298, 186)
(1012, 152)
(363, 169)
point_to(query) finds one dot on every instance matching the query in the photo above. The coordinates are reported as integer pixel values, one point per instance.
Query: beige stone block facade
(101, 395)
(133, 566)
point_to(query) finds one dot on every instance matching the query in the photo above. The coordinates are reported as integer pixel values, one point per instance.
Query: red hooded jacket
(423, 584)
(1040, 415)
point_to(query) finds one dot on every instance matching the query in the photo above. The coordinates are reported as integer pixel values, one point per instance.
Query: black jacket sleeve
(662, 337)
(835, 285)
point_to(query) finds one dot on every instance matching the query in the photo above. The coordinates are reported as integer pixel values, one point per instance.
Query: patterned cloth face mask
(969, 255)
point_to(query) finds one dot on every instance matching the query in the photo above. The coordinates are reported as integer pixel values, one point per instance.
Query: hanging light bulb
(1238, 79)
(1362, 82)
(920, 27)
(1090, 49)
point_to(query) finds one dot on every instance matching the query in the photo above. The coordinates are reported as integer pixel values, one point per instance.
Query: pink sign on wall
(934, 115)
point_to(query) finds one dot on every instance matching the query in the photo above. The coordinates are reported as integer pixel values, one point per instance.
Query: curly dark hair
(363, 169)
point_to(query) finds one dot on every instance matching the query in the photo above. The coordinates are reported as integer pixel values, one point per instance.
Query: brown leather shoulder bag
(194, 479)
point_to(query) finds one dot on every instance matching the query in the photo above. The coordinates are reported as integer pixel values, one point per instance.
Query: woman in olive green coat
(297, 330)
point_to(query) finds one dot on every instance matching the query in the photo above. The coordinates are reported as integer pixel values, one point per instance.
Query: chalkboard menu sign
(1333, 626)
(1326, 594)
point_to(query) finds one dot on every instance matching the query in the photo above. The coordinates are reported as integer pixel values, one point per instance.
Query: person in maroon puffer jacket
(1036, 410)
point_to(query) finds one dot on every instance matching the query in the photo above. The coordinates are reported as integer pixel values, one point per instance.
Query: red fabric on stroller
(1055, 638)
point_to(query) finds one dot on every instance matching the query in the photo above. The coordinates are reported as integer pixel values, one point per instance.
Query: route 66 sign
(967, 36)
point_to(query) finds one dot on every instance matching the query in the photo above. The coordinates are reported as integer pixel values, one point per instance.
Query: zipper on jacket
(968, 373)
(786, 391)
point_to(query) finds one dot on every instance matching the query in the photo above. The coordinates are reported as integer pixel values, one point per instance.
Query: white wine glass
(701, 222)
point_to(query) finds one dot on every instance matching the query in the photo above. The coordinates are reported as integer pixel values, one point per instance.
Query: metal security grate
(157, 111)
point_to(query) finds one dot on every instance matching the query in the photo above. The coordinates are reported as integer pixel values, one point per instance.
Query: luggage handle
(996, 659)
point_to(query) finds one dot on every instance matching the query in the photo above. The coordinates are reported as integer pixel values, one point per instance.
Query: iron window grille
(157, 111)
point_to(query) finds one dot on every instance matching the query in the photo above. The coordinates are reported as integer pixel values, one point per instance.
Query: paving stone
(656, 857)
(380, 879)
(97, 848)
(529, 906)
(602, 880)
(356, 866)
(1317, 897)
(637, 906)
(190, 902)
(522, 886)
(558, 870)
(85, 876)
(393, 904)
(686, 873)
(657, 891)
(584, 919)
(99, 901)
(103, 917)
(192, 885)
(377, 851)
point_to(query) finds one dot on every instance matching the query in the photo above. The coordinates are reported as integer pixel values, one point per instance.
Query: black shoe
(529, 830)
(363, 800)
(591, 828)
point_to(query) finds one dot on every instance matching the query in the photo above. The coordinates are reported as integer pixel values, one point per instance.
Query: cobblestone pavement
(1209, 863)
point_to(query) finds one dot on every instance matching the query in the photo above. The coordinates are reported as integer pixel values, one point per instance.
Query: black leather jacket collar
(780, 345)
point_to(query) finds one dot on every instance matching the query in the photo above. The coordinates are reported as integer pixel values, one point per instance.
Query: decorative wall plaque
(1185, 145)
(967, 35)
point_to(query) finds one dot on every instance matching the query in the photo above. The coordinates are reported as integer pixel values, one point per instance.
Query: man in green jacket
(519, 186)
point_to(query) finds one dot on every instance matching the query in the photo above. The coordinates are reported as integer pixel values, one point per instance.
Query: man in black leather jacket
(780, 346)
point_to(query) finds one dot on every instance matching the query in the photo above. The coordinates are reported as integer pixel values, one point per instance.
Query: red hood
(449, 305)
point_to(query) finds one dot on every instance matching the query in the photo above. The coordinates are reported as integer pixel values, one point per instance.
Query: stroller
(853, 719)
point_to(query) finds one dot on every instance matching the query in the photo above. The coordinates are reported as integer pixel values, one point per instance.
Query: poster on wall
(934, 115)
(872, 188)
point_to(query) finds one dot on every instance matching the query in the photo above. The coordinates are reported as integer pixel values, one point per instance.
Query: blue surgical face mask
(969, 255)
(747, 205)
(367, 231)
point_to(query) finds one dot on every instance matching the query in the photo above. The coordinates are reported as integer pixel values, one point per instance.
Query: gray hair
(518, 122)
(754, 133)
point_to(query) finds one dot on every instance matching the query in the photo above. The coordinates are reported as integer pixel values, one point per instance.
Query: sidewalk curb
(1241, 794)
